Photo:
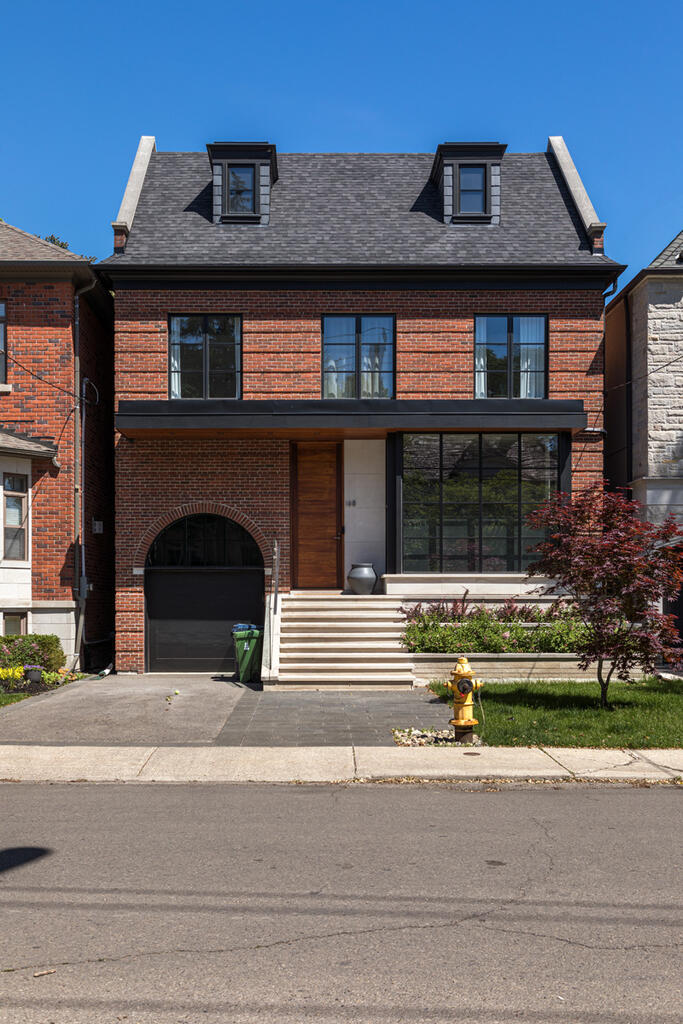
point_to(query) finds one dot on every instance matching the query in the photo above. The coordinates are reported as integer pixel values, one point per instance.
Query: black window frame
(3, 341)
(464, 215)
(237, 215)
(201, 521)
(358, 370)
(396, 503)
(510, 346)
(239, 373)
(486, 212)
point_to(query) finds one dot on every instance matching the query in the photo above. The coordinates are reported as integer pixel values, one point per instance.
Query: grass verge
(643, 714)
(11, 698)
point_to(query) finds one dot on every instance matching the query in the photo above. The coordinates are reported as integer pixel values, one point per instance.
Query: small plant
(11, 678)
(433, 629)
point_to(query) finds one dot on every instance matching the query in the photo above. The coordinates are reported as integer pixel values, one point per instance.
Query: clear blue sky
(82, 81)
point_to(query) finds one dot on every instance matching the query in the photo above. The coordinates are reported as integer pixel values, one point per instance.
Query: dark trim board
(189, 417)
(403, 278)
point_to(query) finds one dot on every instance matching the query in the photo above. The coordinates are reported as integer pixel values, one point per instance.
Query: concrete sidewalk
(43, 763)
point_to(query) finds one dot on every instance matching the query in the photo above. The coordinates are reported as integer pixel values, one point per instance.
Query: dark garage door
(193, 603)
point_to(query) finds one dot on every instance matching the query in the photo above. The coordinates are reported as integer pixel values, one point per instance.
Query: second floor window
(205, 356)
(358, 357)
(510, 357)
(3, 343)
(15, 486)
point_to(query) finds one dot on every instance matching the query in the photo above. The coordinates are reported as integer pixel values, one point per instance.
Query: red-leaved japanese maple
(615, 567)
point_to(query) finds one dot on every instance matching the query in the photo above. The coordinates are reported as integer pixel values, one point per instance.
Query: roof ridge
(664, 254)
(66, 254)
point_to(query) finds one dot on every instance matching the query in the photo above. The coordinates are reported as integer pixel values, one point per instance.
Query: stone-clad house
(644, 387)
(325, 359)
(56, 378)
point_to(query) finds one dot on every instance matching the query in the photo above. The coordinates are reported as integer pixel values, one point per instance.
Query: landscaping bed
(31, 664)
(643, 714)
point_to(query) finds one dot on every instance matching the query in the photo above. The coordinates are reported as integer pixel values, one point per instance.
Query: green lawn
(565, 714)
(11, 698)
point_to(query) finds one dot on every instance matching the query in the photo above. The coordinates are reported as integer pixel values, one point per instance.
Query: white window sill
(5, 389)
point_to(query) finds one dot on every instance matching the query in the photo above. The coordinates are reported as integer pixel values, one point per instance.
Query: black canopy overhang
(188, 416)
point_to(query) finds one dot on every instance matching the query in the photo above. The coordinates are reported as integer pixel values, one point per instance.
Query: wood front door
(317, 516)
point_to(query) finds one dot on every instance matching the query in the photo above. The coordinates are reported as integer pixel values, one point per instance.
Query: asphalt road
(386, 903)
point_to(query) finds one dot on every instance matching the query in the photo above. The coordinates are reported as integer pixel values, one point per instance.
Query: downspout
(80, 587)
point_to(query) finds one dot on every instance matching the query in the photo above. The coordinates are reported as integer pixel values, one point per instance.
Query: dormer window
(243, 175)
(240, 193)
(468, 176)
(472, 188)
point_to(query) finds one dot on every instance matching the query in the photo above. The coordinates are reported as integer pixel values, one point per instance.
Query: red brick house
(366, 358)
(56, 417)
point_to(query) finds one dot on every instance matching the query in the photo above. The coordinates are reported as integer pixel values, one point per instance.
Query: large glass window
(465, 498)
(15, 487)
(205, 356)
(358, 357)
(3, 343)
(510, 357)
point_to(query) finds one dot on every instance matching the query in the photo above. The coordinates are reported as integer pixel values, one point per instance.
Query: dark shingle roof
(17, 246)
(668, 258)
(355, 209)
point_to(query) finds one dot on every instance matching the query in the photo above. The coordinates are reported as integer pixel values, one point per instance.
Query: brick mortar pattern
(40, 345)
(281, 358)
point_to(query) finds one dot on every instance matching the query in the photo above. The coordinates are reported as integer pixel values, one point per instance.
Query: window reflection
(465, 498)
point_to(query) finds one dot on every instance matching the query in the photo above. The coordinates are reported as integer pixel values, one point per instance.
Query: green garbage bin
(248, 640)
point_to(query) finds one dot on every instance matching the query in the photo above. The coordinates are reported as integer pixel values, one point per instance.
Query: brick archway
(194, 508)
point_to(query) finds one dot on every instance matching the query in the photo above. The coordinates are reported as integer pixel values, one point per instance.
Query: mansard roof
(356, 210)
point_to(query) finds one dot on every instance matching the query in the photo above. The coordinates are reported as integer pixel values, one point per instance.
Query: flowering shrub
(432, 629)
(43, 649)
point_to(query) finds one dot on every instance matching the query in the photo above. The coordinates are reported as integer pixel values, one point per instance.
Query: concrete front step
(349, 678)
(348, 646)
(350, 653)
(329, 639)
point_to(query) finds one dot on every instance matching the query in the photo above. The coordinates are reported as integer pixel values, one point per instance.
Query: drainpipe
(82, 587)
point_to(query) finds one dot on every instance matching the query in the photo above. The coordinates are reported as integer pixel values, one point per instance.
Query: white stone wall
(365, 503)
(657, 339)
(665, 388)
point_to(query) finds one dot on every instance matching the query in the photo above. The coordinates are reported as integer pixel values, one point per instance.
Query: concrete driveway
(125, 710)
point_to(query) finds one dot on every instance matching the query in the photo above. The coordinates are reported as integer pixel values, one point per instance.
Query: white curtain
(531, 356)
(331, 382)
(175, 370)
(480, 358)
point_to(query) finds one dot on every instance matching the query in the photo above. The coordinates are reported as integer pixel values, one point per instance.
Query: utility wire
(44, 380)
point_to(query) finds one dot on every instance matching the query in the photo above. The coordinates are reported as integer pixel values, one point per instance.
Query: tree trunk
(604, 684)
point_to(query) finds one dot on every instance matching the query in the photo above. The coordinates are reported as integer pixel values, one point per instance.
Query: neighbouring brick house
(383, 358)
(55, 342)
(644, 387)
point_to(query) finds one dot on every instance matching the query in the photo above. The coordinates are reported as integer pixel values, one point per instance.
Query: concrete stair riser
(330, 639)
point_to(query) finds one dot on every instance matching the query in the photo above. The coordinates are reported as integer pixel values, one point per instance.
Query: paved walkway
(131, 710)
(20, 763)
(139, 729)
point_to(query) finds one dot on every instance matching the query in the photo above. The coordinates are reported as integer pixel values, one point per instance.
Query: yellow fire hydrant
(463, 685)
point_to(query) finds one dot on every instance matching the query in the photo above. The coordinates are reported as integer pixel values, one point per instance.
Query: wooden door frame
(294, 507)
